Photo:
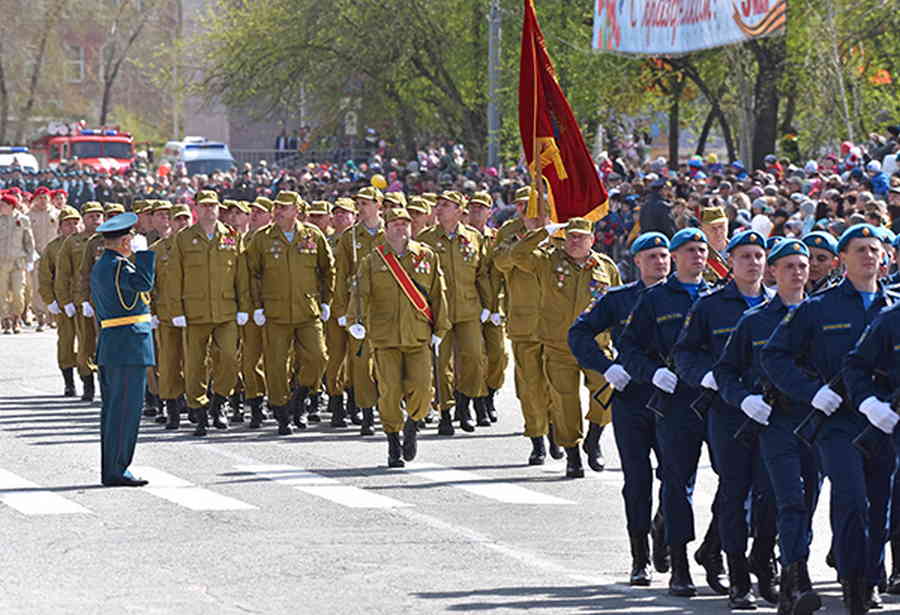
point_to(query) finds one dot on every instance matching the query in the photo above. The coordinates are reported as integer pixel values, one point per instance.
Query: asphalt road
(247, 522)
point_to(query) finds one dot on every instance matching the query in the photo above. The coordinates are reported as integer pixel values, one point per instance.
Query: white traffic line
(480, 485)
(322, 486)
(30, 499)
(181, 492)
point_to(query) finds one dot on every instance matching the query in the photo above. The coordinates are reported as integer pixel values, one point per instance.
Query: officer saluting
(125, 346)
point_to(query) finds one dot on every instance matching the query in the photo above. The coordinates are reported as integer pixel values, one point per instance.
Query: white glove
(342, 321)
(496, 319)
(138, 243)
(436, 341)
(357, 331)
(87, 310)
(553, 227)
(53, 308)
(826, 400)
(180, 322)
(757, 409)
(70, 309)
(879, 414)
(154, 321)
(259, 317)
(665, 379)
(29, 267)
(242, 318)
(485, 314)
(325, 312)
(617, 377)
(709, 382)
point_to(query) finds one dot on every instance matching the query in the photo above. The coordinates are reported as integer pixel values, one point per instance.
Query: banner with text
(673, 27)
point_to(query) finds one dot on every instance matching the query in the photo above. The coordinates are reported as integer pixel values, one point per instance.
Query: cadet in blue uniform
(804, 359)
(645, 348)
(706, 330)
(634, 423)
(125, 346)
(791, 465)
(823, 260)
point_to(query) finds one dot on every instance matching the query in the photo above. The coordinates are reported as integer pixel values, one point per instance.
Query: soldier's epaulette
(622, 287)
(827, 287)
(710, 291)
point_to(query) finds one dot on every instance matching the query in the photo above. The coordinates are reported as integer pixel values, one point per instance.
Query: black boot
(491, 409)
(368, 422)
(88, 390)
(574, 468)
(298, 406)
(640, 560)
(202, 421)
(893, 586)
(463, 413)
(236, 401)
(552, 446)
(69, 379)
(336, 408)
(680, 582)
(173, 417)
(410, 436)
(538, 452)
(481, 416)
(709, 555)
(858, 593)
(591, 446)
(660, 546)
(445, 426)
(803, 599)
(352, 410)
(283, 416)
(395, 450)
(740, 591)
(787, 592)
(149, 404)
(257, 416)
(762, 564)
(161, 417)
(219, 420)
(312, 412)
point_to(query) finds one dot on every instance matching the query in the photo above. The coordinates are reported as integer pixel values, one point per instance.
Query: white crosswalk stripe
(482, 486)
(184, 493)
(322, 486)
(30, 499)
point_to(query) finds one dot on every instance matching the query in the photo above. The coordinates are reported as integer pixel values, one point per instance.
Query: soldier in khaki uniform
(291, 271)
(210, 295)
(319, 215)
(400, 331)
(572, 278)
(420, 211)
(354, 245)
(44, 225)
(461, 250)
(67, 286)
(16, 261)
(69, 219)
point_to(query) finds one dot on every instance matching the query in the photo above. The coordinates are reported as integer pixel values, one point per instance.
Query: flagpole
(537, 185)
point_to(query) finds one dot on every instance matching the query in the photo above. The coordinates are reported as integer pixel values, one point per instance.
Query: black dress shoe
(710, 557)
(410, 434)
(640, 560)
(660, 548)
(538, 452)
(762, 564)
(740, 592)
(680, 583)
(125, 482)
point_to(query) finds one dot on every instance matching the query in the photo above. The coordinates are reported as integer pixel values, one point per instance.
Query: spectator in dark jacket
(655, 213)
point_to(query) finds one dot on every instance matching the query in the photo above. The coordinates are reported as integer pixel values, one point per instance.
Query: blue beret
(896, 242)
(887, 235)
(686, 235)
(864, 231)
(773, 241)
(787, 248)
(746, 238)
(647, 241)
(821, 239)
(118, 225)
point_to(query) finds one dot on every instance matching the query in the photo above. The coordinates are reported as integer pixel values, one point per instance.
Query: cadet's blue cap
(686, 235)
(773, 241)
(896, 242)
(647, 241)
(746, 238)
(864, 231)
(887, 235)
(787, 247)
(118, 225)
(821, 239)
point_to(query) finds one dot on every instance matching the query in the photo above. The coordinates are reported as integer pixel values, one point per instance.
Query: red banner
(551, 135)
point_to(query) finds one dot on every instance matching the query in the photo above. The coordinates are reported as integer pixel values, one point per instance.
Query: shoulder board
(710, 291)
(622, 288)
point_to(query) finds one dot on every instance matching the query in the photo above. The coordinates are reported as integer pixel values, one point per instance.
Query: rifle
(871, 439)
(598, 396)
(748, 433)
(653, 404)
(809, 428)
(355, 284)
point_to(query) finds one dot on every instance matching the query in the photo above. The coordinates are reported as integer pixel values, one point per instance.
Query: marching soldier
(714, 223)
(67, 287)
(16, 261)
(44, 225)
(69, 219)
(210, 296)
(401, 292)
(291, 282)
(343, 215)
(823, 260)
(420, 211)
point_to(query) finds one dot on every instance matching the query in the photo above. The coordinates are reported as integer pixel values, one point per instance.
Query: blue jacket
(878, 349)
(117, 292)
(807, 349)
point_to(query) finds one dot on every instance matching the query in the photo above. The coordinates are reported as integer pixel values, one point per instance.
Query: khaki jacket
(68, 261)
(523, 292)
(47, 271)
(345, 265)
(92, 252)
(163, 305)
(464, 263)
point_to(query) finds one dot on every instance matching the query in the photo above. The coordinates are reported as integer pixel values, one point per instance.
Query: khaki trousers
(254, 376)
(308, 344)
(403, 373)
(86, 332)
(532, 388)
(564, 376)
(360, 372)
(465, 345)
(65, 342)
(218, 340)
(12, 290)
(336, 370)
(170, 360)
(495, 353)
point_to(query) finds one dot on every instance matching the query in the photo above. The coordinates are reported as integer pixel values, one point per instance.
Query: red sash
(409, 289)
(717, 266)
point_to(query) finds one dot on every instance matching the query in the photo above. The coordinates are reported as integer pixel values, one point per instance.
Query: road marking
(322, 486)
(30, 499)
(481, 486)
(181, 492)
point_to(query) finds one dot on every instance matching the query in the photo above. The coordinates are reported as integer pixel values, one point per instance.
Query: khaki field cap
(346, 204)
(396, 213)
(580, 225)
(369, 192)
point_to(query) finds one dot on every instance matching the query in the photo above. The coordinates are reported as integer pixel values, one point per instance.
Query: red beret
(9, 199)
(14, 190)
(41, 190)
(27, 196)
(60, 191)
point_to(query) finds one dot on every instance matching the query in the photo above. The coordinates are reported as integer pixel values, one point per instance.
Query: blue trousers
(635, 432)
(794, 471)
(895, 500)
(122, 389)
(860, 499)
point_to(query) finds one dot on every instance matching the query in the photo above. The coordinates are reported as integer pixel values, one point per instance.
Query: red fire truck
(101, 149)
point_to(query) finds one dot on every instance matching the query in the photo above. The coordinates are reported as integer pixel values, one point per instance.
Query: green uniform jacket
(68, 261)
(346, 266)
(47, 271)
